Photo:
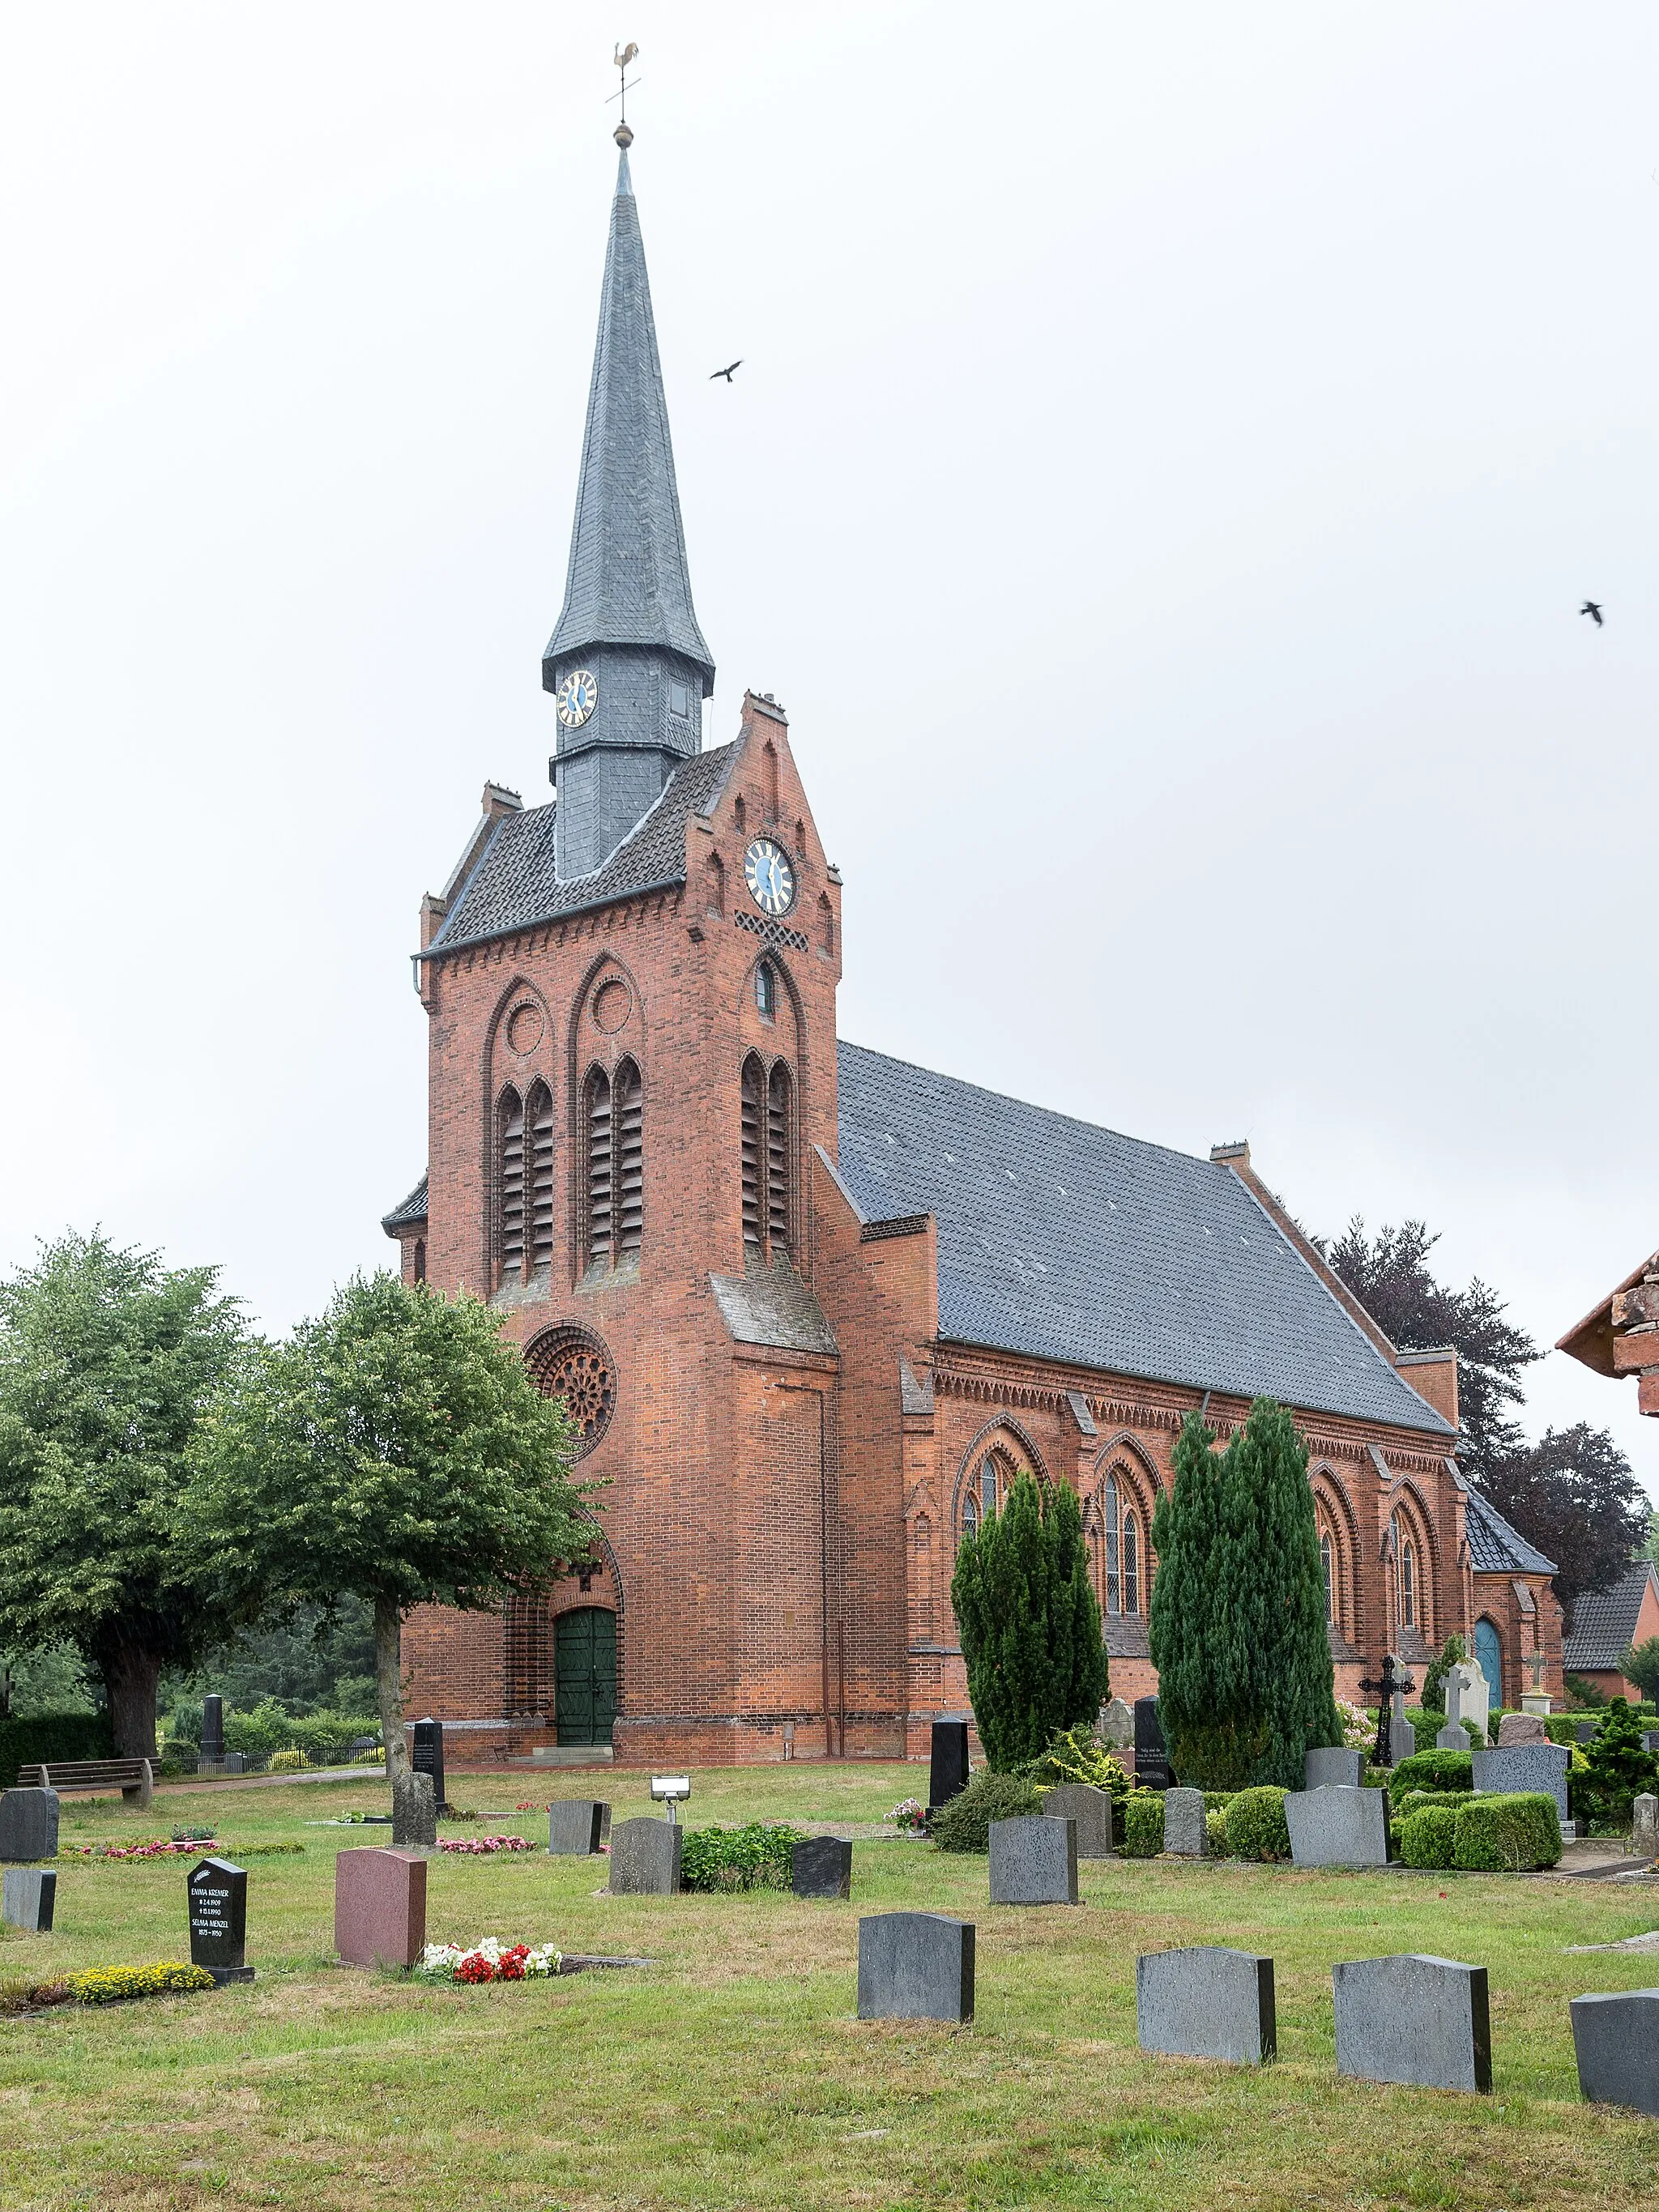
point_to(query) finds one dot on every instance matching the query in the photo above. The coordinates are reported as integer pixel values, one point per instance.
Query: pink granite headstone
(1521, 1727)
(379, 1907)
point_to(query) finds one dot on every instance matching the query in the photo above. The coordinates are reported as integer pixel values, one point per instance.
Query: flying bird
(1590, 608)
(727, 373)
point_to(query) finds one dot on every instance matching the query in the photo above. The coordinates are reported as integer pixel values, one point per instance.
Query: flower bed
(113, 1985)
(158, 1847)
(483, 1847)
(489, 1961)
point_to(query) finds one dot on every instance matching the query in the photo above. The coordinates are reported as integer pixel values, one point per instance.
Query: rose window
(569, 1363)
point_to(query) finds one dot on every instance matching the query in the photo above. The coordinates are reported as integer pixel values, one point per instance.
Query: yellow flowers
(110, 1984)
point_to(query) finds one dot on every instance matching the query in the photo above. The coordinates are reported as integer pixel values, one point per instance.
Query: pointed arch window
(766, 990)
(1114, 1574)
(1327, 1571)
(509, 1187)
(613, 1164)
(779, 1100)
(539, 1119)
(753, 1115)
(420, 1259)
(984, 1493)
(1131, 1563)
(596, 1121)
(1408, 1584)
(628, 1101)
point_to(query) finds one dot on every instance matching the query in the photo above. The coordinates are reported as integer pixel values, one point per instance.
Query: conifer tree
(1190, 1647)
(1030, 1623)
(1617, 1766)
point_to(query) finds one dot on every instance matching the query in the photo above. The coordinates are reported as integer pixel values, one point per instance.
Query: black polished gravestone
(1152, 1767)
(213, 1728)
(427, 1758)
(947, 1773)
(218, 1919)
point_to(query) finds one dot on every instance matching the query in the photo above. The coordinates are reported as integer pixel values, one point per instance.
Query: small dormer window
(679, 701)
(766, 990)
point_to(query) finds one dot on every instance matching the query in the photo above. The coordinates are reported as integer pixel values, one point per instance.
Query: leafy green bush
(1077, 1754)
(1419, 1800)
(1584, 1692)
(1507, 1834)
(1215, 1830)
(1428, 1837)
(110, 1984)
(50, 1737)
(269, 1728)
(1432, 1770)
(1255, 1824)
(1143, 1824)
(1427, 1723)
(286, 1762)
(758, 1857)
(1434, 1681)
(964, 1824)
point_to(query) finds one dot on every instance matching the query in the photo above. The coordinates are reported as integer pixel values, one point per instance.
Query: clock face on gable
(578, 695)
(769, 876)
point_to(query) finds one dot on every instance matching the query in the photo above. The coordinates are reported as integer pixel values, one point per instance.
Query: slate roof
(628, 583)
(1069, 1243)
(410, 1214)
(515, 881)
(772, 1306)
(1495, 1547)
(1604, 1623)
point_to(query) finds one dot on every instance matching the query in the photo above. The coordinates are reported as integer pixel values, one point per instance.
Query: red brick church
(813, 1308)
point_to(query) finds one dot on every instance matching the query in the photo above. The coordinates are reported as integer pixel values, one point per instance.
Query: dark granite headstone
(947, 1773)
(1152, 1768)
(1033, 1860)
(1207, 2003)
(1525, 1767)
(28, 1824)
(915, 1965)
(645, 1858)
(822, 1867)
(1650, 1740)
(1583, 1731)
(27, 1897)
(427, 1758)
(218, 1919)
(1615, 2038)
(1413, 2018)
(1328, 1764)
(576, 1826)
(1090, 1808)
(213, 1728)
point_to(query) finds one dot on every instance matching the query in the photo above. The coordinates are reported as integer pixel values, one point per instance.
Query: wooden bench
(131, 1776)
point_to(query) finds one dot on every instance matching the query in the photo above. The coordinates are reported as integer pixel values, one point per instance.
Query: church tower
(626, 663)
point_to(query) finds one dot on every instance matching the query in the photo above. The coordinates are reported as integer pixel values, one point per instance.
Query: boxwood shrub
(964, 1825)
(1428, 1837)
(1417, 1801)
(1215, 1829)
(1507, 1834)
(1143, 1824)
(49, 1736)
(1432, 1770)
(1256, 1826)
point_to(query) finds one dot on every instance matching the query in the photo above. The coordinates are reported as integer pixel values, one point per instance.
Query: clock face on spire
(579, 695)
(769, 876)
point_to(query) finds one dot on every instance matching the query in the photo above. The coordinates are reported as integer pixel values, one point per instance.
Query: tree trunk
(388, 1679)
(130, 1675)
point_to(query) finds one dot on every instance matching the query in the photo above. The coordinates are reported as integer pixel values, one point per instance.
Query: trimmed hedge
(758, 1857)
(1255, 1824)
(51, 1736)
(1143, 1825)
(964, 1825)
(1215, 1830)
(1507, 1834)
(1419, 1800)
(1432, 1770)
(1429, 1838)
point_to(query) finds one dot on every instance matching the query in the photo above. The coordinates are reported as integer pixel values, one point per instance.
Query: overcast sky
(1171, 449)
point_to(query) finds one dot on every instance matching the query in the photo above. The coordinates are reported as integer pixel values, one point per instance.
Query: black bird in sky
(1590, 608)
(726, 373)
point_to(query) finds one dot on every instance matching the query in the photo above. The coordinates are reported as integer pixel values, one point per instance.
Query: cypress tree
(1030, 1623)
(1190, 1637)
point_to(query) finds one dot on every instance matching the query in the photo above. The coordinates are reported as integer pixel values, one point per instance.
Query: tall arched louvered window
(627, 1114)
(1114, 1581)
(538, 1122)
(779, 1148)
(596, 1140)
(509, 1187)
(753, 1110)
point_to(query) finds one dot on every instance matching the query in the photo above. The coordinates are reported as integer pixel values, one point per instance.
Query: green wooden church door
(585, 1661)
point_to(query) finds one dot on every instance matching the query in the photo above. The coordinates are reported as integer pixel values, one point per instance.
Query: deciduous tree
(1574, 1496)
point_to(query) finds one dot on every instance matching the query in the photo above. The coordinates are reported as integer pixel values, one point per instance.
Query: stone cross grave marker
(1207, 2002)
(414, 1813)
(1033, 1861)
(217, 1892)
(1615, 2038)
(1332, 1765)
(28, 1897)
(1152, 1768)
(28, 1824)
(915, 1965)
(1090, 1808)
(1526, 1766)
(1454, 1736)
(379, 1907)
(947, 1770)
(1413, 2018)
(822, 1867)
(645, 1858)
(1338, 1826)
(1185, 1834)
(576, 1826)
(427, 1757)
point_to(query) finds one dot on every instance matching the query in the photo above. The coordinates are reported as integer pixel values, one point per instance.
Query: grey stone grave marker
(1413, 2018)
(1583, 1731)
(947, 1770)
(645, 1858)
(1615, 2037)
(1117, 1725)
(1332, 1765)
(1517, 1729)
(1516, 1766)
(1207, 2002)
(1033, 1861)
(1650, 1740)
(1185, 1836)
(1090, 1808)
(217, 1892)
(427, 1757)
(576, 1826)
(1454, 1736)
(1152, 1768)
(915, 1965)
(29, 1896)
(28, 1824)
(822, 1867)
(1338, 1826)
(1644, 1825)
(414, 1813)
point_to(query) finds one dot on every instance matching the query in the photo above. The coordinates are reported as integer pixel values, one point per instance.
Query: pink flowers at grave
(483, 1847)
(158, 1847)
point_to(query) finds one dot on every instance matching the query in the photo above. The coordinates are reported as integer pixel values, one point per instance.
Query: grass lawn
(733, 2074)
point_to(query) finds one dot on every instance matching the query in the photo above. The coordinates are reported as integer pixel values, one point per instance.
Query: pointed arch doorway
(1489, 1658)
(585, 1674)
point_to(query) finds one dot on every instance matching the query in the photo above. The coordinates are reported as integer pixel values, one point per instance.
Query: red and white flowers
(489, 1961)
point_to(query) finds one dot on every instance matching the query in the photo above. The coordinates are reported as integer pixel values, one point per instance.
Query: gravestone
(947, 1772)
(1338, 1826)
(211, 1757)
(414, 1813)
(235, 1762)
(1403, 1737)
(28, 1824)
(1583, 1732)
(1615, 2038)
(1152, 1768)
(217, 1892)
(1117, 1725)
(1650, 1740)
(427, 1757)
(822, 1867)
(915, 1965)
(1525, 1767)
(576, 1826)
(1645, 1826)
(1033, 1861)
(1454, 1736)
(645, 1858)
(1473, 1694)
(1207, 2002)
(379, 1907)
(1413, 2018)
(27, 1897)
(1090, 1808)
(1516, 1728)
(1332, 1766)
(1185, 1836)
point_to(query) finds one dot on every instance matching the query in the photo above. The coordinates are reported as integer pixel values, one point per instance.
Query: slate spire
(628, 620)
